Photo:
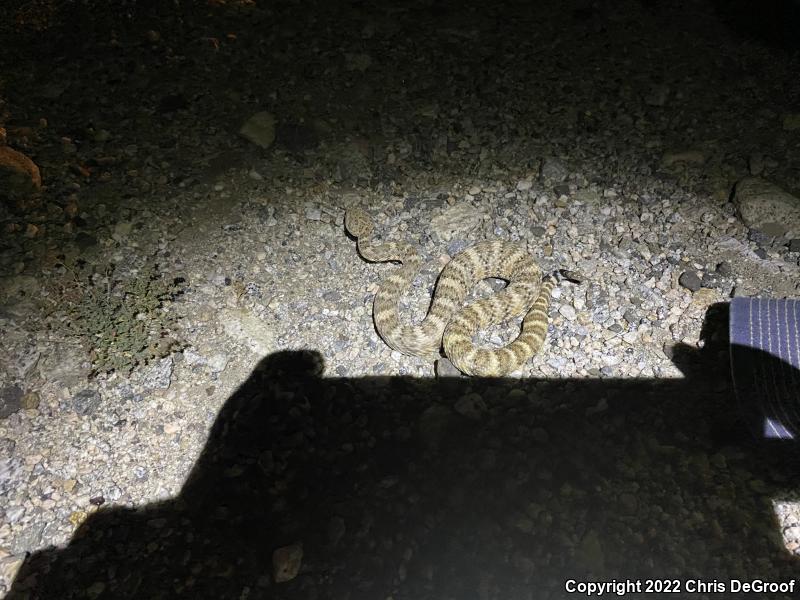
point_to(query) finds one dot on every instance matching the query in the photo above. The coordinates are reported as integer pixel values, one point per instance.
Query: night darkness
(196, 399)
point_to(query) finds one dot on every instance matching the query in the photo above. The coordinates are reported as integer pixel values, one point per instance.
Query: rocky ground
(179, 297)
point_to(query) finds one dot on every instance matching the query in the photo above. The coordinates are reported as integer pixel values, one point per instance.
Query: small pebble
(286, 562)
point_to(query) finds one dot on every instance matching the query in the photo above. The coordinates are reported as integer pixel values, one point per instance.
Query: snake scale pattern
(450, 324)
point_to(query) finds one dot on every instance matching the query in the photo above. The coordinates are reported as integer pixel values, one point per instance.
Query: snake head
(571, 276)
(357, 222)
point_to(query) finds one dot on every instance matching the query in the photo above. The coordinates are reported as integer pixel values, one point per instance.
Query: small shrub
(124, 323)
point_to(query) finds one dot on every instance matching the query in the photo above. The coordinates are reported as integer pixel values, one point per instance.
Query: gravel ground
(276, 447)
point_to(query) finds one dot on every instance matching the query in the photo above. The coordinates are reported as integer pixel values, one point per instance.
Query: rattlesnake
(449, 323)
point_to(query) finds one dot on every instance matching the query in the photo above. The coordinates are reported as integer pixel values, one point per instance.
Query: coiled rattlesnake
(451, 324)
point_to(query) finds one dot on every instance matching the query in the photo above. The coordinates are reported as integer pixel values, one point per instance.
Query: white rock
(524, 185)
(567, 311)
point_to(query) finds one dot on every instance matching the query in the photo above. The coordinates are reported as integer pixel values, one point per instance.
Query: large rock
(766, 207)
(260, 129)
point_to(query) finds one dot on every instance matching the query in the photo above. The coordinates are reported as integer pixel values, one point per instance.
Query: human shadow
(450, 489)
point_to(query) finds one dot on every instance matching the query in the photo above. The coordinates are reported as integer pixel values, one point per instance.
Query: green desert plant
(124, 323)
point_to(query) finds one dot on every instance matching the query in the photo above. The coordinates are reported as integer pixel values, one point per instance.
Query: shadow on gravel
(452, 489)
